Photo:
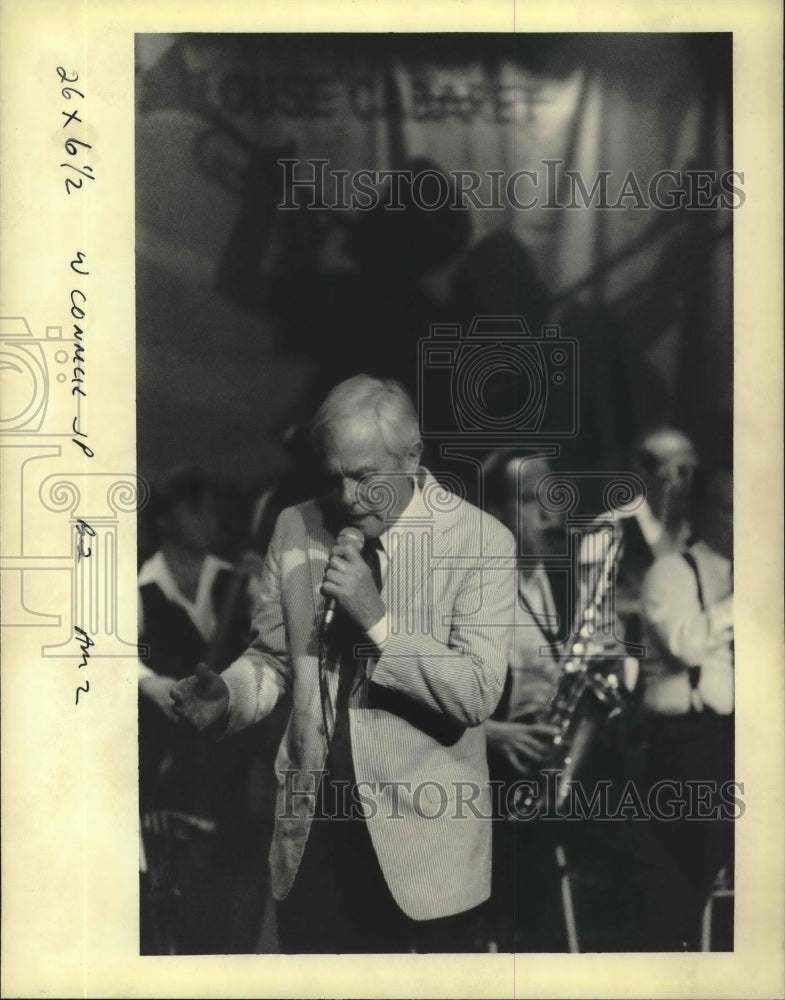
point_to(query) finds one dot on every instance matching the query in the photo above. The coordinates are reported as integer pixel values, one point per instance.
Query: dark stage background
(246, 312)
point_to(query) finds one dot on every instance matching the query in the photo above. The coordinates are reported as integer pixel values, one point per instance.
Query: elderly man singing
(386, 610)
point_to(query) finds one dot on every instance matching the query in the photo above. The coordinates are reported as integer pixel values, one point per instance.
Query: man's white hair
(383, 401)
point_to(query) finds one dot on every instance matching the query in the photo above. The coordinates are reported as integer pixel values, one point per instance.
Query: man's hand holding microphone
(202, 700)
(348, 583)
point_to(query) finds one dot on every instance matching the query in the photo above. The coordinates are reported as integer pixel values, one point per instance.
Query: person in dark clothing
(192, 794)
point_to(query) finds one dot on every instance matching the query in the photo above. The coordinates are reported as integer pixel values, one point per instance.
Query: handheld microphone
(347, 536)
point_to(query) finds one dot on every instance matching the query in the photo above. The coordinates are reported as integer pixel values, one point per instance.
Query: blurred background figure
(688, 697)
(193, 795)
(527, 912)
(665, 459)
(524, 913)
(533, 669)
(657, 520)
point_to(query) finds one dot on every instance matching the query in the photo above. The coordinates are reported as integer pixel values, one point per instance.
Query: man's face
(667, 463)
(540, 532)
(367, 487)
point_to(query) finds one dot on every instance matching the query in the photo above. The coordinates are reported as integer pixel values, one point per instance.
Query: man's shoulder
(300, 516)
(667, 570)
(457, 513)
(496, 537)
(708, 557)
(474, 515)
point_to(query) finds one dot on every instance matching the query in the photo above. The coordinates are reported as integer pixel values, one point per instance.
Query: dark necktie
(370, 554)
(346, 637)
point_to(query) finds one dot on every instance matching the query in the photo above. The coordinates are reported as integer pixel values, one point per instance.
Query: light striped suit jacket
(414, 712)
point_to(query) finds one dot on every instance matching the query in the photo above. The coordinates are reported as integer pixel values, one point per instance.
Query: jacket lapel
(422, 540)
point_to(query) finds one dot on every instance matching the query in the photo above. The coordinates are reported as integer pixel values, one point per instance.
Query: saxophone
(581, 685)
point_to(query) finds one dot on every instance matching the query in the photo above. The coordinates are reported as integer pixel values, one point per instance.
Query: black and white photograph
(466, 300)
(392, 543)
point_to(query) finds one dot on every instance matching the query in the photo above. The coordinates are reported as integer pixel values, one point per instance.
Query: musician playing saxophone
(520, 743)
(516, 744)
(548, 596)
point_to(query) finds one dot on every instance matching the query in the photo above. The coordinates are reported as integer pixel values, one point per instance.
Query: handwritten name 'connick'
(78, 299)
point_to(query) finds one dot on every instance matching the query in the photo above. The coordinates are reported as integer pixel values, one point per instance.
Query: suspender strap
(689, 558)
(694, 672)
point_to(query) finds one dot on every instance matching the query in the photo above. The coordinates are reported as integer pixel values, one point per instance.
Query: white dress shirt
(200, 610)
(679, 634)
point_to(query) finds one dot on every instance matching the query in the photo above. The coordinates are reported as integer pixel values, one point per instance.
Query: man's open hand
(201, 700)
(158, 689)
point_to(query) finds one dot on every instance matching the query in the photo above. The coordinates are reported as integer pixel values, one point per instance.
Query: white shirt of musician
(200, 610)
(679, 634)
